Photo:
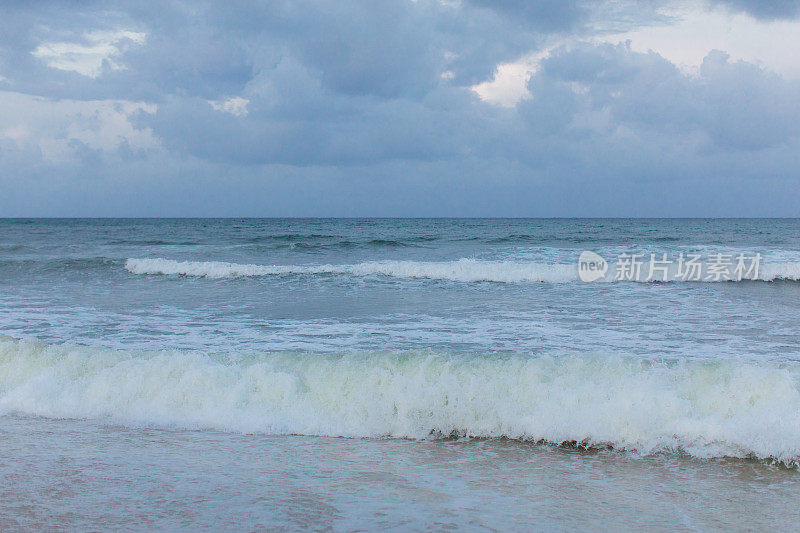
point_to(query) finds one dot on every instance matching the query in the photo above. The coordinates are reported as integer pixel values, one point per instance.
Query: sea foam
(461, 270)
(698, 407)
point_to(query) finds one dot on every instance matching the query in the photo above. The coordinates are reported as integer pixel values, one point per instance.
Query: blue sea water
(403, 334)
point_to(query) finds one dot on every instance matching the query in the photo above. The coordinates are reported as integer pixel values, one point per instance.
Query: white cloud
(510, 82)
(697, 30)
(99, 48)
(55, 127)
(236, 105)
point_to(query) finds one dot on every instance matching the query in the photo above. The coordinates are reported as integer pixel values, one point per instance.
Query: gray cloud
(767, 10)
(736, 106)
(364, 107)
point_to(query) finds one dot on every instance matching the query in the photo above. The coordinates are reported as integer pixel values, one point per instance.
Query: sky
(400, 108)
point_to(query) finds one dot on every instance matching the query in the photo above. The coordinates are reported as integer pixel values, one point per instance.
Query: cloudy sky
(400, 108)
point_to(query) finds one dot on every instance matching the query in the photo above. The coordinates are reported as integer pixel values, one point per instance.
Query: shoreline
(78, 473)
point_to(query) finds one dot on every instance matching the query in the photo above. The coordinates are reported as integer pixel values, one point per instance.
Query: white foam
(461, 270)
(780, 271)
(707, 409)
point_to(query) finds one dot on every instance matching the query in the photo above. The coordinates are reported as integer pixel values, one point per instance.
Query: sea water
(358, 373)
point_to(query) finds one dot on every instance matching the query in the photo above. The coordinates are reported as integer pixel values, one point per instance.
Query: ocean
(353, 374)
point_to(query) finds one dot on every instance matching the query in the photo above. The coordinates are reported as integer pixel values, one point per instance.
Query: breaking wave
(465, 270)
(698, 407)
(461, 270)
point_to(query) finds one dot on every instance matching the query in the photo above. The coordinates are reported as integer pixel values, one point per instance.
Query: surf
(464, 270)
(703, 408)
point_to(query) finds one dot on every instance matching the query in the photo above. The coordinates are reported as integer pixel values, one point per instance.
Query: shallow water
(84, 475)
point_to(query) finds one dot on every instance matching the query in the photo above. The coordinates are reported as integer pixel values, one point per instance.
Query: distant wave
(461, 270)
(14, 247)
(304, 237)
(702, 408)
(545, 239)
(153, 242)
(320, 244)
(61, 263)
(464, 270)
(288, 237)
(344, 244)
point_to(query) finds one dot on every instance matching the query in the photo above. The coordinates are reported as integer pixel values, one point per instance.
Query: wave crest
(703, 408)
(464, 270)
(461, 270)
